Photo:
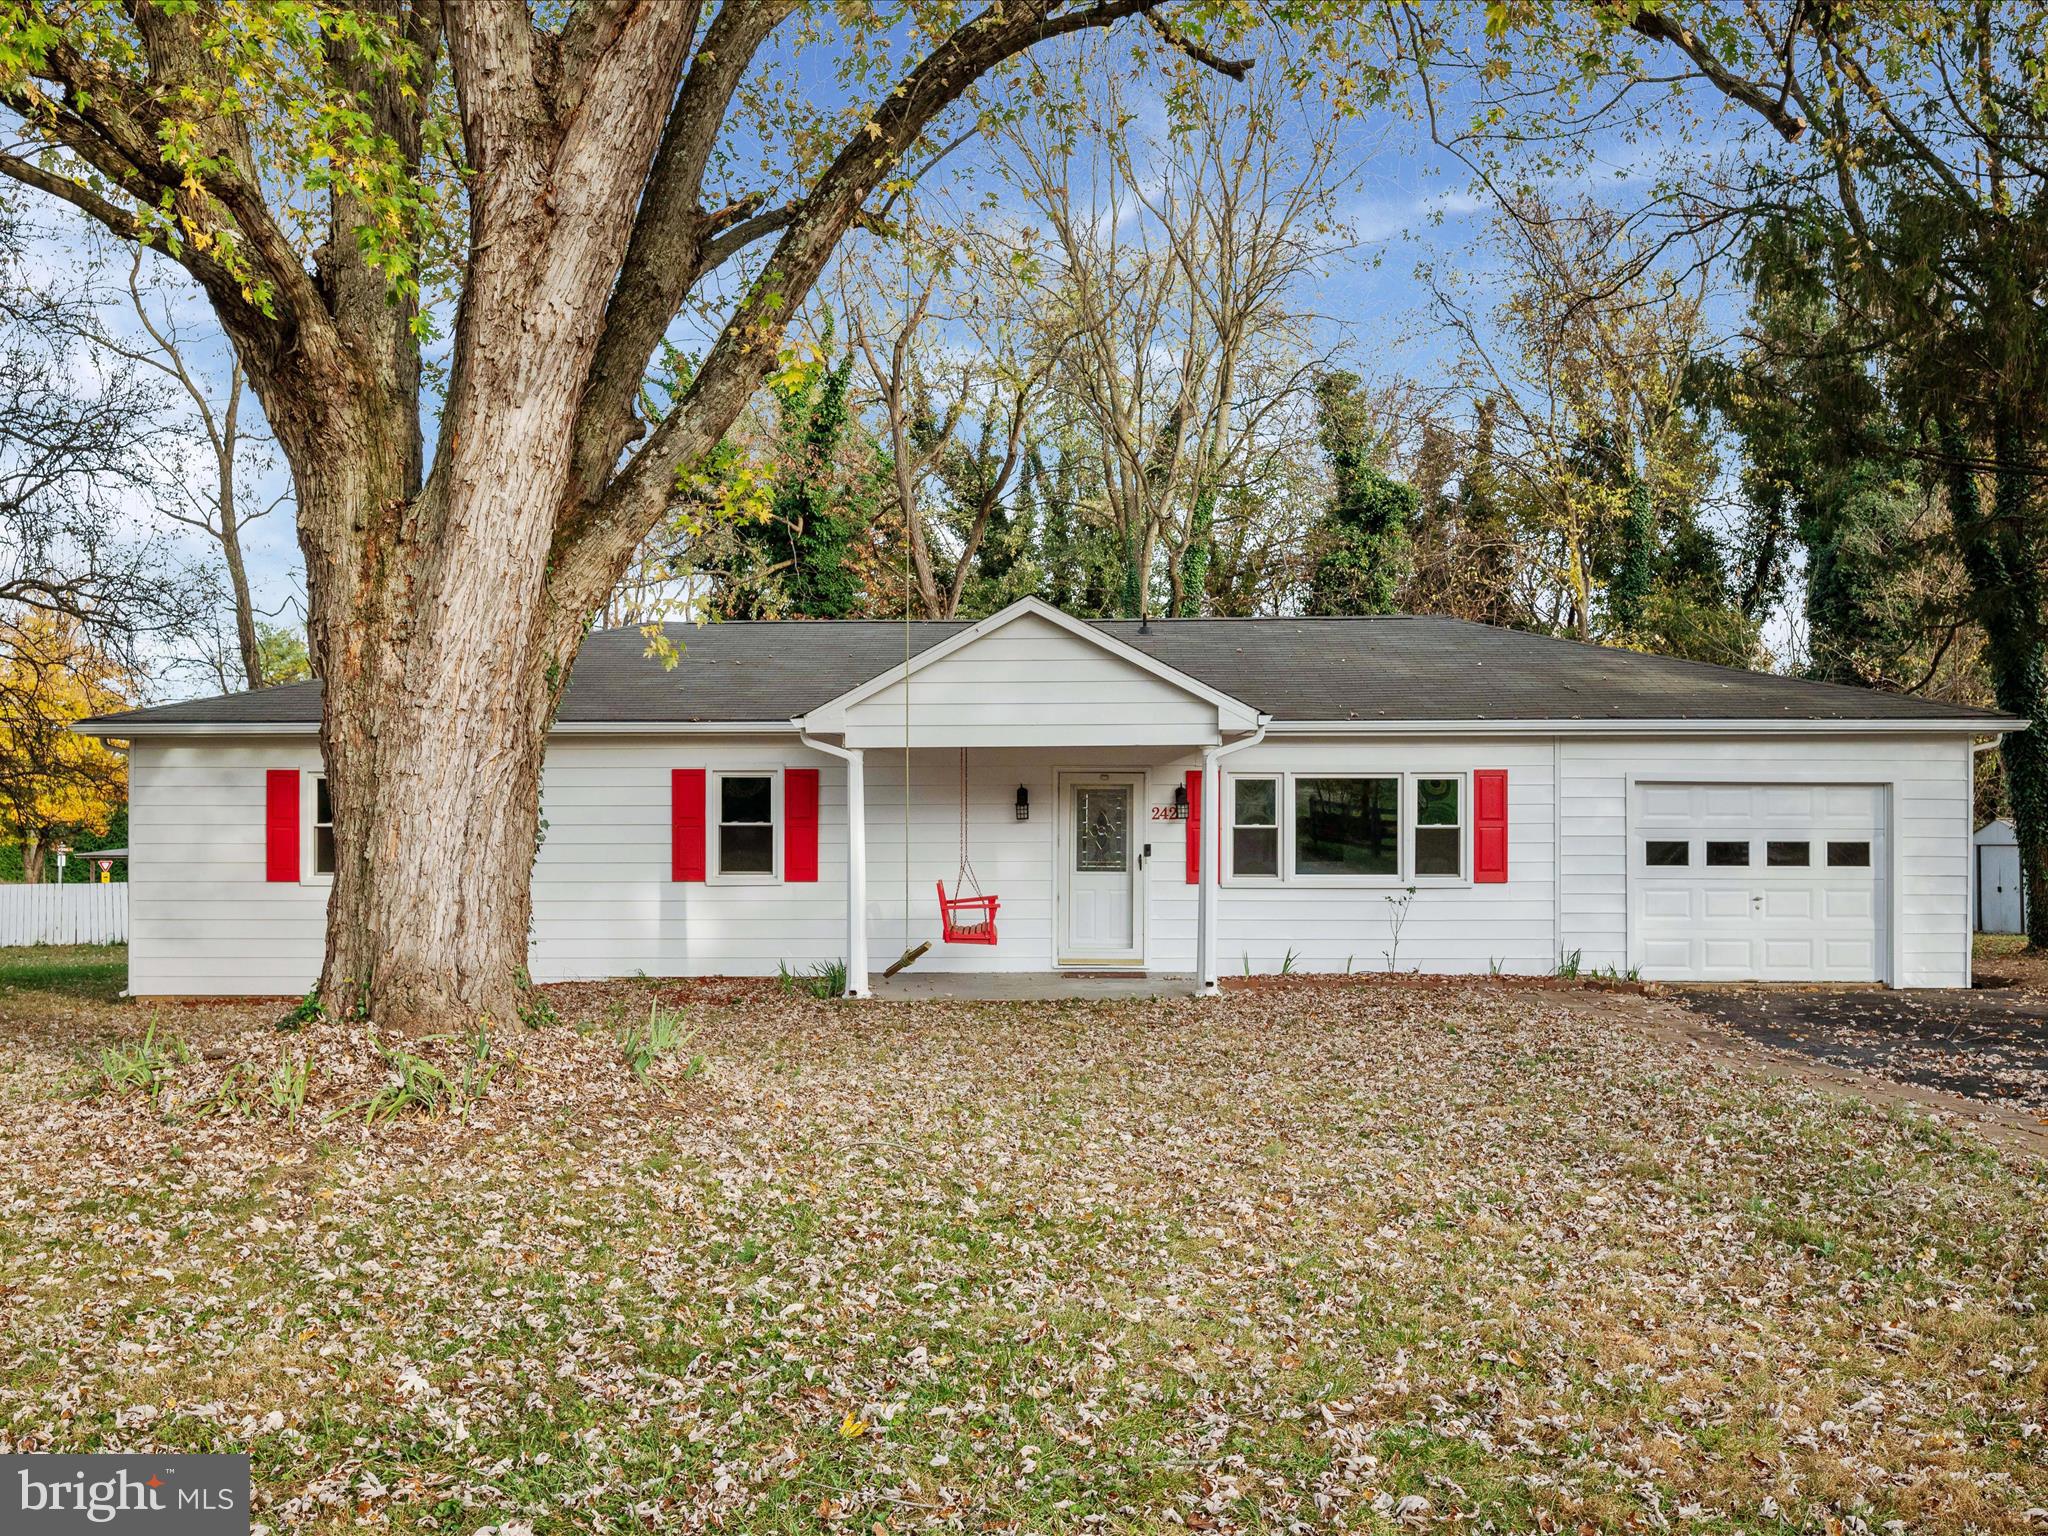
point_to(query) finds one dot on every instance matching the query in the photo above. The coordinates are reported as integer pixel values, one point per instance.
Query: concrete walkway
(1029, 986)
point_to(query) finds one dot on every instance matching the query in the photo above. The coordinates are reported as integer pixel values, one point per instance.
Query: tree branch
(1751, 93)
(667, 254)
(1174, 37)
(747, 347)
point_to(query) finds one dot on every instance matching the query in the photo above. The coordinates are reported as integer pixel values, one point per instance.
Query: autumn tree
(555, 184)
(207, 473)
(1174, 267)
(957, 366)
(53, 780)
(1597, 445)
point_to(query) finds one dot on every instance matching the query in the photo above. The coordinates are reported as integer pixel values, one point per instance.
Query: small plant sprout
(1568, 965)
(666, 1032)
(418, 1086)
(535, 1011)
(824, 981)
(286, 1089)
(1495, 966)
(307, 1010)
(143, 1067)
(1287, 963)
(1397, 918)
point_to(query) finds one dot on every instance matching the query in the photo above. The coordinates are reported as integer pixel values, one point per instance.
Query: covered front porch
(1035, 760)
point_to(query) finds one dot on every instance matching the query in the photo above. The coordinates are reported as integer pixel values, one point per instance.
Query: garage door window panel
(1724, 854)
(1780, 854)
(1667, 852)
(1849, 855)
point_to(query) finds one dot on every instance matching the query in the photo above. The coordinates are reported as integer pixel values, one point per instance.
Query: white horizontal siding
(1447, 928)
(1032, 683)
(203, 919)
(1929, 878)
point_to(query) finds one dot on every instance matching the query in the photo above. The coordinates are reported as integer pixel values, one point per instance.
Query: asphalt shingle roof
(1394, 668)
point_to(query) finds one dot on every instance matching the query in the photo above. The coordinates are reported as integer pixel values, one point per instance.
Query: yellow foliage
(51, 777)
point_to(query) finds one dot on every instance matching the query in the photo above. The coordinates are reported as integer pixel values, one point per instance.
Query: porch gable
(1031, 676)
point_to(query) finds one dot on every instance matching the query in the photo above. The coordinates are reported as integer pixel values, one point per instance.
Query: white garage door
(1758, 882)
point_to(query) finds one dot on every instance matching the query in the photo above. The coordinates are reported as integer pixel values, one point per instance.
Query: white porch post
(856, 875)
(856, 858)
(1207, 857)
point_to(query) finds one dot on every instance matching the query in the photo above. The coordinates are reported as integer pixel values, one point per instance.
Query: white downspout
(1209, 857)
(856, 858)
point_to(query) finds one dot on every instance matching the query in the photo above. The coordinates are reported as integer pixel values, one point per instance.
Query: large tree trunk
(33, 846)
(438, 626)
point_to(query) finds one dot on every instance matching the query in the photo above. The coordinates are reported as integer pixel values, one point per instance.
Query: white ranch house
(1192, 796)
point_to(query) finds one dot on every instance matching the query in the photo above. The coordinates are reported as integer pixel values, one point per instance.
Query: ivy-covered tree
(794, 553)
(1362, 551)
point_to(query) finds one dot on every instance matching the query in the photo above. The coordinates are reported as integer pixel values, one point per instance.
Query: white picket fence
(63, 914)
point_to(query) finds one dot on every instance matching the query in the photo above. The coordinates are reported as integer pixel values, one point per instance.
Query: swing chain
(964, 877)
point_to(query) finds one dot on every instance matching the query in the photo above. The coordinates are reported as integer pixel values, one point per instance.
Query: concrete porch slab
(1029, 986)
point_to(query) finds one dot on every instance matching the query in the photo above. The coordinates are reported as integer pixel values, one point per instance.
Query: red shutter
(1194, 827)
(800, 824)
(1490, 825)
(687, 828)
(281, 825)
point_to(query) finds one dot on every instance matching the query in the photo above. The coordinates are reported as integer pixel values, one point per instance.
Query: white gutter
(125, 731)
(1673, 727)
(856, 859)
(1208, 861)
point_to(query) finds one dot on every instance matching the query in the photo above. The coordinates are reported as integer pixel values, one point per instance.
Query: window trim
(1362, 882)
(1411, 823)
(1230, 825)
(715, 872)
(1407, 797)
(309, 836)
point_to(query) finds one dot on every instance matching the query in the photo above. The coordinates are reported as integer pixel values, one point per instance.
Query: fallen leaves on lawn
(1355, 1257)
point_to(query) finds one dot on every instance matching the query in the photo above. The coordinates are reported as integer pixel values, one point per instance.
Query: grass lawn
(35, 976)
(1370, 1257)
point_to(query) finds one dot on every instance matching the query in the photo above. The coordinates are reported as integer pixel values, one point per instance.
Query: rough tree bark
(447, 607)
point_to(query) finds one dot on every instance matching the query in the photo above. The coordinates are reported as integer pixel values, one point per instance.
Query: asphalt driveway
(1986, 1043)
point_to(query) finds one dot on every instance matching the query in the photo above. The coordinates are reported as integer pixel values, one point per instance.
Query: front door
(1101, 919)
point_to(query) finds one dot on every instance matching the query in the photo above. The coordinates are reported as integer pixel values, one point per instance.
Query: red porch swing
(965, 919)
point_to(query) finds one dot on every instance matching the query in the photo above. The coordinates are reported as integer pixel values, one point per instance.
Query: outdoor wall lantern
(1023, 803)
(1180, 802)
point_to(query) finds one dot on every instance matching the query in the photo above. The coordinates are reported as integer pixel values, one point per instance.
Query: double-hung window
(1255, 828)
(745, 806)
(1437, 839)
